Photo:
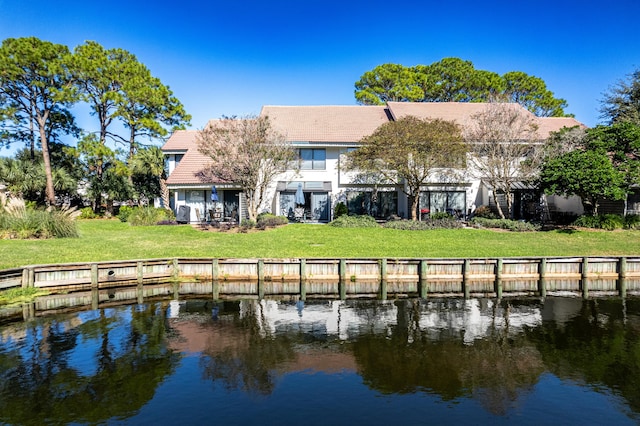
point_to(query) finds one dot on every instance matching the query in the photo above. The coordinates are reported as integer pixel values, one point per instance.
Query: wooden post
(383, 279)
(215, 279)
(28, 277)
(140, 286)
(466, 286)
(303, 279)
(95, 292)
(424, 285)
(175, 273)
(542, 281)
(342, 272)
(622, 276)
(260, 279)
(585, 280)
(498, 274)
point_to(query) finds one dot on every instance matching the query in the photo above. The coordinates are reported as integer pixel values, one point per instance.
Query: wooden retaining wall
(100, 283)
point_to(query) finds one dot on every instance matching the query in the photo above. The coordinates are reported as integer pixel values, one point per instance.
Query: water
(560, 361)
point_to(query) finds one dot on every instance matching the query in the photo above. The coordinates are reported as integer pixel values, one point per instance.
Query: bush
(248, 223)
(632, 221)
(268, 220)
(608, 222)
(19, 221)
(508, 224)
(124, 212)
(87, 213)
(146, 216)
(446, 222)
(485, 212)
(340, 210)
(354, 222)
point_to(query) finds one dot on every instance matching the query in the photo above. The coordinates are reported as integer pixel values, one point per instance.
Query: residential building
(322, 135)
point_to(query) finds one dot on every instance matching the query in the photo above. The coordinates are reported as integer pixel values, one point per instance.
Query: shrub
(340, 210)
(248, 223)
(440, 215)
(632, 221)
(354, 222)
(485, 212)
(447, 222)
(508, 224)
(124, 212)
(146, 216)
(608, 222)
(87, 213)
(268, 220)
(19, 221)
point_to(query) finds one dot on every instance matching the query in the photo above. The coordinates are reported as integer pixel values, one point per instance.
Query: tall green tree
(35, 86)
(119, 88)
(621, 103)
(583, 171)
(407, 152)
(455, 80)
(531, 92)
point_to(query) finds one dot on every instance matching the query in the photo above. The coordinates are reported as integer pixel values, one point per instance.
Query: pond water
(479, 361)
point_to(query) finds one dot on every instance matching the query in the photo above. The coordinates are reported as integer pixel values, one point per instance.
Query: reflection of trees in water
(248, 359)
(495, 369)
(130, 362)
(600, 346)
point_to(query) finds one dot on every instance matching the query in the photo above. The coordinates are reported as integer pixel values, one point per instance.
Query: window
(312, 158)
(380, 205)
(452, 202)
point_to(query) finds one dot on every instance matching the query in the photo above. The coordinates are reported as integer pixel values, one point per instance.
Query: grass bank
(114, 240)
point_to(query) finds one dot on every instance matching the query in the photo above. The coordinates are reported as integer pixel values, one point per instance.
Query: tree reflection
(599, 346)
(246, 359)
(117, 380)
(495, 370)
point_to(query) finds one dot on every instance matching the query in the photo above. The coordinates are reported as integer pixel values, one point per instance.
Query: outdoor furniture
(298, 214)
(200, 217)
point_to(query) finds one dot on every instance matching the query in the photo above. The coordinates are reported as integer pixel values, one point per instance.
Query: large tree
(407, 153)
(35, 87)
(587, 174)
(505, 149)
(455, 80)
(118, 88)
(622, 101)
(247, 152)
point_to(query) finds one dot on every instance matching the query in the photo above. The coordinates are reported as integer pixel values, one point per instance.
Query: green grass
(113, 240)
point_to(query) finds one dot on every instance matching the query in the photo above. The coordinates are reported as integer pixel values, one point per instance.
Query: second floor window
(313, 158)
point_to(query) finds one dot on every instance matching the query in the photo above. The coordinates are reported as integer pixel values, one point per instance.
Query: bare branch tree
(505, 149)
(247, 152)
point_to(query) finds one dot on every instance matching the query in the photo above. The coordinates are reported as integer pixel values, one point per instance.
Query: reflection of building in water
(474, 319)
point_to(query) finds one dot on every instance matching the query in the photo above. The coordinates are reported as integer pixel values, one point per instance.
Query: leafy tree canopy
(622, 101)
(456, 80)
(410, 150)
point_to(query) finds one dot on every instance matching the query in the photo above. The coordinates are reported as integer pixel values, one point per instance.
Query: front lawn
(113, 240)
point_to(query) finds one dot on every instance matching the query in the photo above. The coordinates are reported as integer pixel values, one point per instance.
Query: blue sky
(231, 57)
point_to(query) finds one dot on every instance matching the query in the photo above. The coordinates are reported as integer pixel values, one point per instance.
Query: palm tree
(150, 162)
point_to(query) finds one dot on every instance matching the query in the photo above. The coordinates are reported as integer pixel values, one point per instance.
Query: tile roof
(334, 124)
(187, 170)
(180, 140)
(463, 112)
(547, 125)
(326, 123)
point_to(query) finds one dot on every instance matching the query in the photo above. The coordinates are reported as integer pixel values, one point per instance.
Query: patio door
(316, 205)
